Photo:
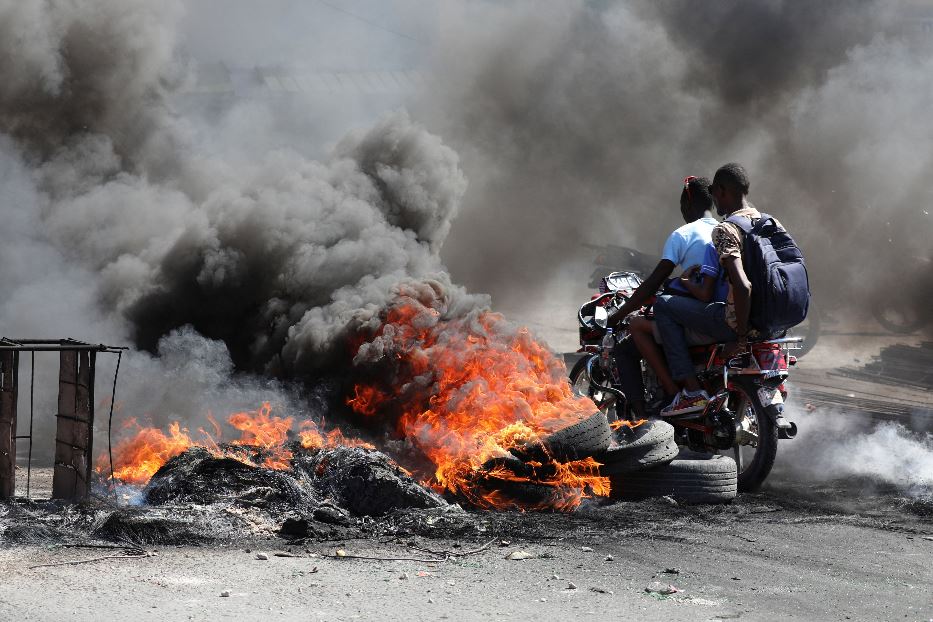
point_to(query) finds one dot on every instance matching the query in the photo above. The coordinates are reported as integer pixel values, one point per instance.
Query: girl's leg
(643, 336)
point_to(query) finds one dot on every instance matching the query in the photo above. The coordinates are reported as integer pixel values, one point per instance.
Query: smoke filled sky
(164, 183)
(575, 121)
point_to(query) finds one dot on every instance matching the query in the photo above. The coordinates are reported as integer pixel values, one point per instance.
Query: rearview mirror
(601, 317)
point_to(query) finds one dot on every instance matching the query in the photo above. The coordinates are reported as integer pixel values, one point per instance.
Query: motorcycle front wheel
(583, 385)
(756, 440)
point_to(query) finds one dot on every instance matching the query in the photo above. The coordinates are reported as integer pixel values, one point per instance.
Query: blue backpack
(775, 267)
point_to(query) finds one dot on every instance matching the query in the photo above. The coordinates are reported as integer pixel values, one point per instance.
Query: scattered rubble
(898, 364)
(519, 555)
(664, 589)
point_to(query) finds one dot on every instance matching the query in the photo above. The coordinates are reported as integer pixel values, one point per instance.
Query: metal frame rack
(74, 436)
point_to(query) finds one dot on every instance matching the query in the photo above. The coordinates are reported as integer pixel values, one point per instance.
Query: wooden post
(9, 362)
(74, 434)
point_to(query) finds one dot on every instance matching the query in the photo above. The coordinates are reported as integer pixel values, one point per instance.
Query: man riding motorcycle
(731, 320)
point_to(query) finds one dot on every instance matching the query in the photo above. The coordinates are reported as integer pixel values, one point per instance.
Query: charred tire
(635, 449)
(623, 459)
(689, 481)
(580, 440)
(753, 468)
(648, 434)
(513, 494)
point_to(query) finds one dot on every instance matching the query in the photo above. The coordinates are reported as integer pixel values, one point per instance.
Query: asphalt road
(790, 553)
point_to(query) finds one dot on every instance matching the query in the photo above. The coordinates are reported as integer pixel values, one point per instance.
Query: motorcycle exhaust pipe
(788, 432)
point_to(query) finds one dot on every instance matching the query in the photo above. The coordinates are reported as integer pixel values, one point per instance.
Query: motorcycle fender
(770, 397)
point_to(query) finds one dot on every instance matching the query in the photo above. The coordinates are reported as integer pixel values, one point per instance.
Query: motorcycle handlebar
(592, 305)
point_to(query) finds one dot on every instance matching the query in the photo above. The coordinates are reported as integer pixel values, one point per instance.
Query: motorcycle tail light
(770, 357)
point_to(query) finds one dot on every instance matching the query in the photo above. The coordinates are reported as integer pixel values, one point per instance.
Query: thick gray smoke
(121, 227)
(835, 446)
(578, 120)
(575, 121)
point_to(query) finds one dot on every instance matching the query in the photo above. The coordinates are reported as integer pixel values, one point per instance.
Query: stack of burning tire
(526, 478)
(640, 460)
(644, 461)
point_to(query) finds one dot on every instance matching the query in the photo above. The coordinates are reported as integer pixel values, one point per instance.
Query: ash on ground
(204, 496)
(341, 493)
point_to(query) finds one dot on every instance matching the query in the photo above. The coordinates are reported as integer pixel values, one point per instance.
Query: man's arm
(646, 290)
(702, 292)
(741, 294)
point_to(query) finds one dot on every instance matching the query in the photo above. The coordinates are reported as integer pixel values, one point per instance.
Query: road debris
(130, 553)
(262, 556)
(519, 555)
(665, 589)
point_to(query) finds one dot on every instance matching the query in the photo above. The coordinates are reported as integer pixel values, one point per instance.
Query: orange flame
(136, 459)
(468, 391)
(464, 391)
(623, 423)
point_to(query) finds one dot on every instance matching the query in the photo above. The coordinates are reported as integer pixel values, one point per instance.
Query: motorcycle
(744, 416)
(641, 263)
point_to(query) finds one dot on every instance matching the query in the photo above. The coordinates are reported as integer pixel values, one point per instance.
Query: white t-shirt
(686, 246)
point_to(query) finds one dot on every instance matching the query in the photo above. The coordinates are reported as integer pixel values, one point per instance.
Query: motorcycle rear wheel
(754, 462)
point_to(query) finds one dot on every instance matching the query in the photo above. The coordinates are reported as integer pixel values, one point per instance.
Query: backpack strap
(745, 224)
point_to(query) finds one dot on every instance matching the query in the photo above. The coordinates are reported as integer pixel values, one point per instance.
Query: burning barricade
(468, 409)
(471, 407)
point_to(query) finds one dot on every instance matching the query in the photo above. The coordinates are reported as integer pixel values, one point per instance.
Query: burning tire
(580, 440)
(635, 449)
(616, 461)
(647, 434)
(711, 480)
(508, 494)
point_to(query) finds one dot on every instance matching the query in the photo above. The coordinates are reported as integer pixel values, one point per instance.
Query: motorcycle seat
(693, 337)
